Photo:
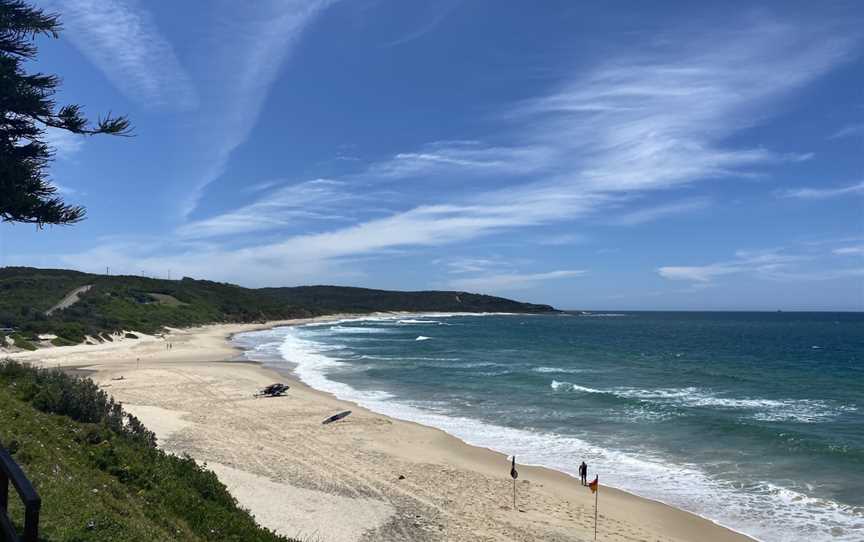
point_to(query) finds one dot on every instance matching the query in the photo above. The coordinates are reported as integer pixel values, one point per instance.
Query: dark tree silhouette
(26, 110)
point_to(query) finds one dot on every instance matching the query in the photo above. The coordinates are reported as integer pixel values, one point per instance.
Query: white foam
(411, 322)
(312, 365)
(556, 370)
(761, 509)
(355, 329)
(794, 410)
(422, 338)
(568, 386)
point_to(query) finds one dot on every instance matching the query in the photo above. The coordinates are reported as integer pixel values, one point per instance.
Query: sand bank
(367, 478)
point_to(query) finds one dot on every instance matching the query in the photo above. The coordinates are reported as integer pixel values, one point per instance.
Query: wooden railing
(10, 471)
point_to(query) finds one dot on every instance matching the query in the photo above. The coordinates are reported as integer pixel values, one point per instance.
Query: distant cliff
(67, 306)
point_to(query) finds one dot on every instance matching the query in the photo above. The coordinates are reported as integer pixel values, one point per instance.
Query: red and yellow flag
(595, 484)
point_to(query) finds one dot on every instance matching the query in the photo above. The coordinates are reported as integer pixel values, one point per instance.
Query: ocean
(753, 420)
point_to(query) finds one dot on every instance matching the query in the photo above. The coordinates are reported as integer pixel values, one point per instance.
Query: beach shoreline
(342, 482)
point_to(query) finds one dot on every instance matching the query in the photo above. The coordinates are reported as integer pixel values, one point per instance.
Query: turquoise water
(754, 420)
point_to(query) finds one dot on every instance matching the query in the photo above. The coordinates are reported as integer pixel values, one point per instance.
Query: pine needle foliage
(27, 111)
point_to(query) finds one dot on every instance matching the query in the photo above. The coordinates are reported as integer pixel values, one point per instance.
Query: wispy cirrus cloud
(849, 251)
(315, 200)
(465, 158)
(823, 193)
(650, 214)
(121, 39)
(229, 73)
(242, 67)
(701, 273)
(469, 218)
(660, 119)
(299, 257)
(772, 264)
(472, 265)
(645, 122)
(850, 130)
(433, 14)
(64, 144)
(764, 261)
(562, 239)
(505, 282)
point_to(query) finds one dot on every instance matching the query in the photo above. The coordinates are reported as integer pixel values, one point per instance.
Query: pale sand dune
(341, 482)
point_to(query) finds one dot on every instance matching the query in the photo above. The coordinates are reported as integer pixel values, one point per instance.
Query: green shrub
(60, 341)
(22, 342)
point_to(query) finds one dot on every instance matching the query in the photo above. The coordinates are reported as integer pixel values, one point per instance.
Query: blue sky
(678, 156)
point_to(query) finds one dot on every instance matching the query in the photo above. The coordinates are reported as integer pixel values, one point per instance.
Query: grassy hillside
(99, 474)
(117, 303)
(360, 300)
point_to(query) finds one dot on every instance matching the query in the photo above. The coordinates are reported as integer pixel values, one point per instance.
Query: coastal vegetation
(115, 304)
(99, 472)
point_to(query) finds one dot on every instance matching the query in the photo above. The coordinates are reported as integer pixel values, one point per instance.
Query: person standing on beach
(583, 473)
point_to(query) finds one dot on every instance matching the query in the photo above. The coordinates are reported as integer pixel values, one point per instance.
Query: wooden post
(31, 522)
(514, 494)
(596, 498)
(11, 472)
(4, 491)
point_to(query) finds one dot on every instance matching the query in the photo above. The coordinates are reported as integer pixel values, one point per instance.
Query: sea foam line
(797, 410)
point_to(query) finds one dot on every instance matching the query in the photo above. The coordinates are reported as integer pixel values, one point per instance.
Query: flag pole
(514, 474)
(596, 498)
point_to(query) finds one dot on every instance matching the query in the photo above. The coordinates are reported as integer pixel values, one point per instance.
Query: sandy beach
(369, 477)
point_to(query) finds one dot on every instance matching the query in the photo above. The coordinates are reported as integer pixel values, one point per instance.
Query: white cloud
(816, 275)
(319, 199)
(648, 121)
(64, 143)
(849, 251)
(660, 119)
(121, 39)
(471, 265)
(305, 256)
(63, 189)
(651, 214)
(824, 193)
(462, 157)
(433, 14)
(511, 281)
(563, 239)
(704, 273)
(241, 66)
(234, 66)
(431, 225)
(769, 264)
(850, 130)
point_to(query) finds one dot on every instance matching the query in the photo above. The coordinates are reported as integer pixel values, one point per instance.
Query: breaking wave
(797, 410)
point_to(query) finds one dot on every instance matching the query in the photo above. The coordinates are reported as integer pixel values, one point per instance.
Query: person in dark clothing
(583, 473)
